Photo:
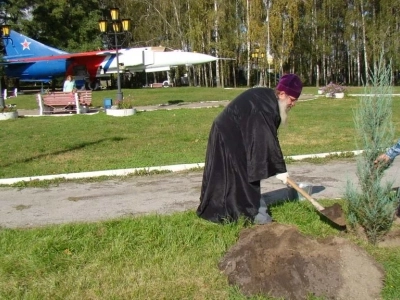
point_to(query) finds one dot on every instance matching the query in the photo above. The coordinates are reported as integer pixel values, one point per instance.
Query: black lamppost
(262, 72)
(254, 56)
(5, 36)
(115, 27)
(270, 60)
(269, 56)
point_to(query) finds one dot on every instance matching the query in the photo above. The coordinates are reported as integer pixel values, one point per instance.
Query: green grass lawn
(150, 257)
(54, 145)
(146, 96)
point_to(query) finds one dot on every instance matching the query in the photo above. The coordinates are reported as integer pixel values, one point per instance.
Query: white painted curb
(124, 172)
(370, 95)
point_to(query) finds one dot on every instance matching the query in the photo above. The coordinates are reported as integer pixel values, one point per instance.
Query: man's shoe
(262, 218)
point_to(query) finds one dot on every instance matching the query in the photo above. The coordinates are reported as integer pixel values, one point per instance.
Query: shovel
(333, 213)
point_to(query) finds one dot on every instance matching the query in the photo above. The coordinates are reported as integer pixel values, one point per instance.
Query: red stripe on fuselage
(92, 60)
(92, 64)
(61, 56)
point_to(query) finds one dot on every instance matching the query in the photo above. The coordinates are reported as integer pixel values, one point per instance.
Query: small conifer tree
(372, 205)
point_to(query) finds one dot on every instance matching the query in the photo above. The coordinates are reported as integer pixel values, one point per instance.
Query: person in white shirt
(69, 84)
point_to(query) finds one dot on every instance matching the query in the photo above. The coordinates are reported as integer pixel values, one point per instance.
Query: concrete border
(124, 172)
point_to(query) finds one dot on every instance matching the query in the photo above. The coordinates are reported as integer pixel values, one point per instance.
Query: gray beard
(283, 112)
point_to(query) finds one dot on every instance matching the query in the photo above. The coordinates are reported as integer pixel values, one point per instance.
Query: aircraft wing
(154, 59)
(69, 56)
(4, 63)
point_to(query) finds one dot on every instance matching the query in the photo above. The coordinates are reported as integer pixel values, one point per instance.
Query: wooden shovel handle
(307, 196)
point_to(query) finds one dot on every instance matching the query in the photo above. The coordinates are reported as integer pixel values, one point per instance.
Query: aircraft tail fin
(21, 46)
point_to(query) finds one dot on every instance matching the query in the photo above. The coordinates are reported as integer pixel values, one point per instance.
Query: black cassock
(242, 149)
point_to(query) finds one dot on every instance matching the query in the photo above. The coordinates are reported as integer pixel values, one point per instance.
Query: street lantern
(114, 12)
(270, 59)
(6, 30)
(115, 27)
(103, 25)
(256, 56)
(262, 72)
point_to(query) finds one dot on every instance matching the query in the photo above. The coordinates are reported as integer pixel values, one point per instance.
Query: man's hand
(383, 158)
(282, 177)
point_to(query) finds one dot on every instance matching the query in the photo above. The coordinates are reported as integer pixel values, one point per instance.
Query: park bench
(64, 102)
(157, 85)
(161, 84)
(85, 97)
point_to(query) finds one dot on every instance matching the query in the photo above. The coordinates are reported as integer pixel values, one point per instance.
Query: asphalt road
(166, 193)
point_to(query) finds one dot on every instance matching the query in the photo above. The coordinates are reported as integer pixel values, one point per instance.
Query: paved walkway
(164, 193)
(192, 105)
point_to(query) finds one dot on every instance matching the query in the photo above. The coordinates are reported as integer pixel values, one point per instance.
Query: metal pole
(269, 77)
(257, 70)
(2, 102)
(268, 47)
(120, 95)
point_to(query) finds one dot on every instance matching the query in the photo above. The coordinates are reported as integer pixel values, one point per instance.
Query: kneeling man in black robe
(243, 148)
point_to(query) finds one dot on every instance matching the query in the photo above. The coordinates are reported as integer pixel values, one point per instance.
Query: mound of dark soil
(279, 261)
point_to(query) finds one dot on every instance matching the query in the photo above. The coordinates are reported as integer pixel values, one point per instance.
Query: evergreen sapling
(373, 204)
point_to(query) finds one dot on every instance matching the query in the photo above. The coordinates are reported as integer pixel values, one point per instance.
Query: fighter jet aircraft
(30, 60)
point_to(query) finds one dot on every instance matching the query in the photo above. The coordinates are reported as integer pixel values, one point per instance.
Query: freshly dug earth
(277, 260)
(392, 238)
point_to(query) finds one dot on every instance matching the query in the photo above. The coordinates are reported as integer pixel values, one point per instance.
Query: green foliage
(373, 206)
(300, 32)
(125, 103)
(67, 25)
(372, 210)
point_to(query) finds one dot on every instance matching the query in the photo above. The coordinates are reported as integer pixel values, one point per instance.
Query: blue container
(107, 103)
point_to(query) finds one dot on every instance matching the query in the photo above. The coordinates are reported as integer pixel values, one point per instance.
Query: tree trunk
(364, 42)
(248, 42)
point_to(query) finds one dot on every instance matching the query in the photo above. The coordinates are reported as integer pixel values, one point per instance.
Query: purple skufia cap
(291, 85)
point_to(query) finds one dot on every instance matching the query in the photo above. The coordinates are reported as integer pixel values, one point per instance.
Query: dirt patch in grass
(279, 261)
(392, 238)
(22, 207)
(389, 240)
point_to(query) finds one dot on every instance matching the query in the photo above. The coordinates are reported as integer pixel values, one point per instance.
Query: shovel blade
(335, 214)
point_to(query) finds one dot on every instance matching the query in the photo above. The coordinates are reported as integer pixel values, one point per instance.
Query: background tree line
(321, 40)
